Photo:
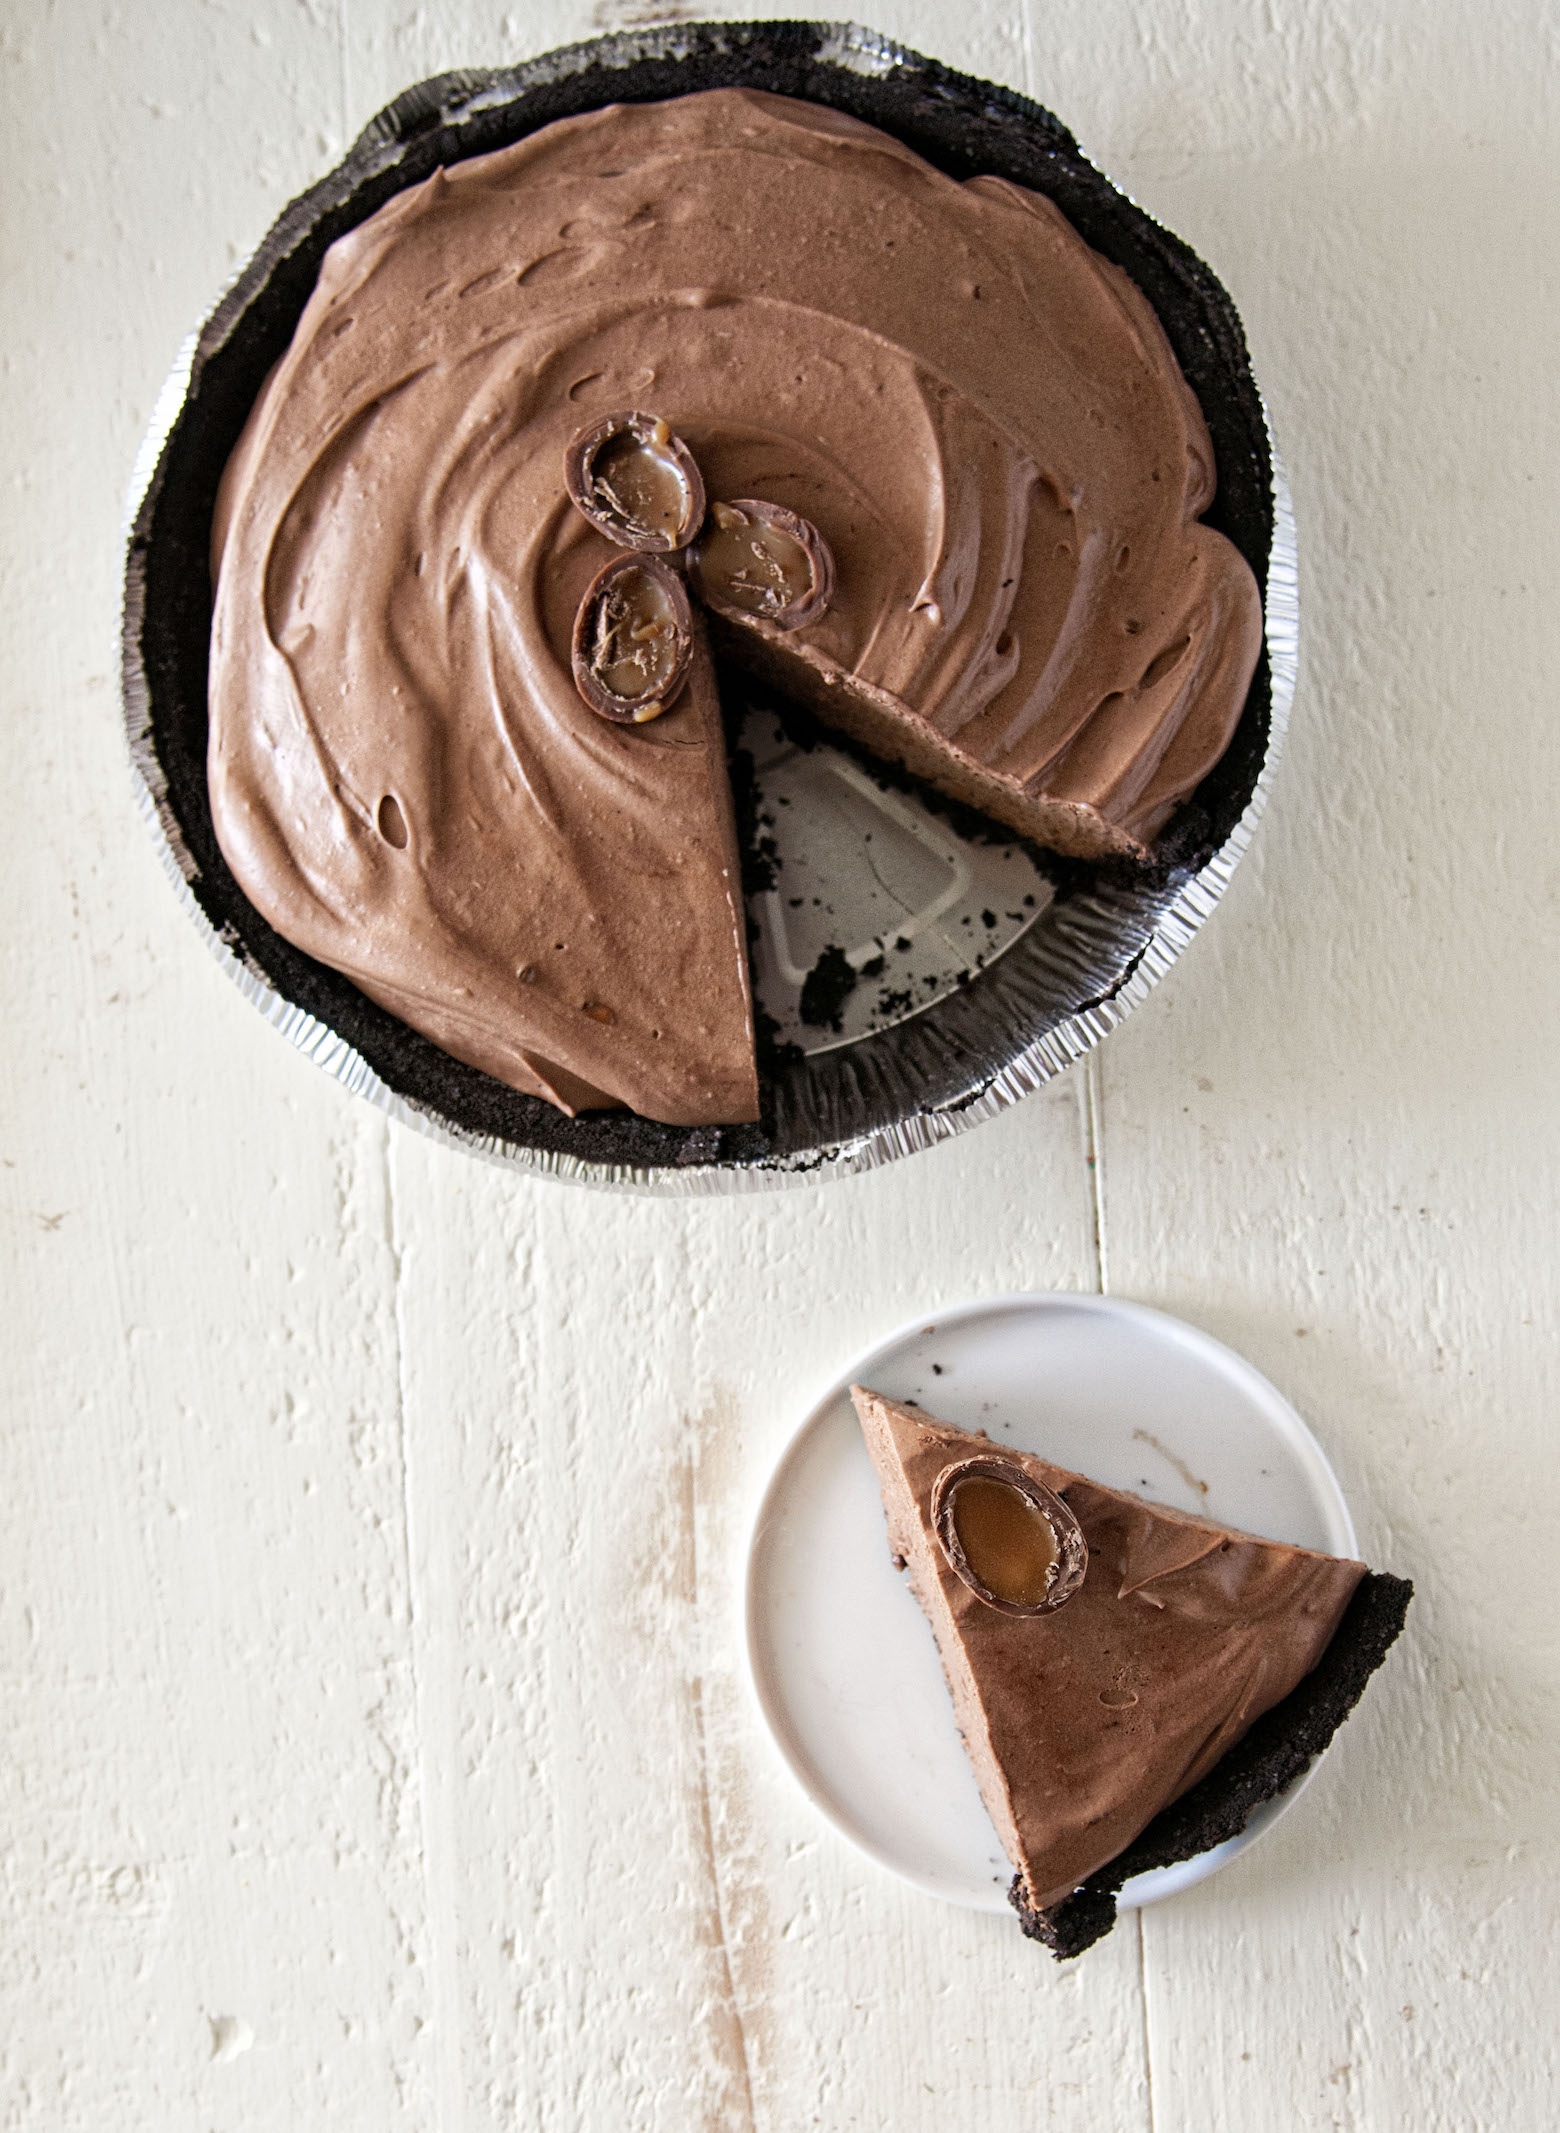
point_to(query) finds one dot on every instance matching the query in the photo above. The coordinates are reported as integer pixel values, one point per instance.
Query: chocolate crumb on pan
(1039, 1002)
(1261, 1766)
(829, 984)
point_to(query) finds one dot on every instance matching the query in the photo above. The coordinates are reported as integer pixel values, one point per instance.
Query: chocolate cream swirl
(981, 415)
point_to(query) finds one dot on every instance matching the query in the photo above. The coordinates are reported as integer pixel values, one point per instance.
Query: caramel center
(639, 485)
(753, 565)
(635, 644)
(1007, 1540)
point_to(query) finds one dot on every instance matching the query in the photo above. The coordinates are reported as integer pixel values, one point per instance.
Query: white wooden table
(377, 1752)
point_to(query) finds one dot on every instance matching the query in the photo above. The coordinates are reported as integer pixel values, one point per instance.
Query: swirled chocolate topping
(980, 416)
(1082, 1723)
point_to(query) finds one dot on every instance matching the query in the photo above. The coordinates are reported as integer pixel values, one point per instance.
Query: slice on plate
(1130, 1681)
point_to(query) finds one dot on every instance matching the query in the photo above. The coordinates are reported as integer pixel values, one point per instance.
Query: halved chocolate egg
(1014, 1542)
(757, 558)
(633, 639)
(636, 482)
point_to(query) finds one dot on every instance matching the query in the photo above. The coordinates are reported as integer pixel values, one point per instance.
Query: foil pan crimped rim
(1130, 938)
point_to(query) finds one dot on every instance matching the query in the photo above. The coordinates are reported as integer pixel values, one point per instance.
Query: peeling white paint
(231, 2037)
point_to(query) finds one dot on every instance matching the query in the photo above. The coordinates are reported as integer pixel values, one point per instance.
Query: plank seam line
(344, 65)
(449, 2107)
(1148, 2034)
(1094, 1130)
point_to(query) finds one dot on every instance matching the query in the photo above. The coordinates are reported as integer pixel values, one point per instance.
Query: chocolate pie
(930, 466)
(1129, 1681)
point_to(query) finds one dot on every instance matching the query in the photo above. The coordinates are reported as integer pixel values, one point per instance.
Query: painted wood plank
(214, 1899)
(645, 1922)
(1333, 1140)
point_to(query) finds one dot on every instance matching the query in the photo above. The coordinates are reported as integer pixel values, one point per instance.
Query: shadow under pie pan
(1013, 962)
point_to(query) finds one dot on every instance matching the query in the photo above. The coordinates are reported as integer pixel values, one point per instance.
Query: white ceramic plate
(842, 1660)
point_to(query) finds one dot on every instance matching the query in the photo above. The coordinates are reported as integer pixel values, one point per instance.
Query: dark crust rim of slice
(1282, 1743)
(1087, 946)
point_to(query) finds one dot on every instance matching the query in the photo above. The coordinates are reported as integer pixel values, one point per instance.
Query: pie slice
(1121, 1676)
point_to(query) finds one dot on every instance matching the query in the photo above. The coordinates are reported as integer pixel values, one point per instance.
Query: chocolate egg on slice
(1014, 1542)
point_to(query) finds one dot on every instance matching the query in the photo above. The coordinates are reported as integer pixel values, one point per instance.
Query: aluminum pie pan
(1059, 983)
